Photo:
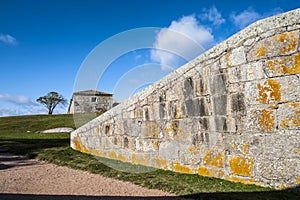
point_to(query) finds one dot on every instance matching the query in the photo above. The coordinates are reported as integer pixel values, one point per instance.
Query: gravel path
(22, 178)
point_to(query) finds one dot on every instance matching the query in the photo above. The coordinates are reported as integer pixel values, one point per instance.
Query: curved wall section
(231, 113)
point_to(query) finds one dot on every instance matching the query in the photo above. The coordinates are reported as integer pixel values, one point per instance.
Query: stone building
(90, 101)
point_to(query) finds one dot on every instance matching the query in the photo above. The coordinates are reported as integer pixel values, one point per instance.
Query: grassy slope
(20, 135)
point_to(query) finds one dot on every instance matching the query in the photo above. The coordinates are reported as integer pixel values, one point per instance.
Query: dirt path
(22, 178)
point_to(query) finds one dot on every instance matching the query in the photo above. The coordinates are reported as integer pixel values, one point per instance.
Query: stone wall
(231, 113)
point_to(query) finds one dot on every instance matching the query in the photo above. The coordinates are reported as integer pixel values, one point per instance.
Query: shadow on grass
(203, 196)
(78, 197)
(30, 147)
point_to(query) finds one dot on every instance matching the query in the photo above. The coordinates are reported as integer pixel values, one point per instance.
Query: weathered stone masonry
(232, 113)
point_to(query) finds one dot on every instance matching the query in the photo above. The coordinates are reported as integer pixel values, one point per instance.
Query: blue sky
(43, 43)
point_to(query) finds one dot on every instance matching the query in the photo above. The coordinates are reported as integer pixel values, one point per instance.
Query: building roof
(91, 93)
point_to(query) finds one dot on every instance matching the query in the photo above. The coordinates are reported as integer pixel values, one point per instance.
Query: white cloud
(212, 15)
(184, 39)
(7, 39)
(249, 16)
(15, 99)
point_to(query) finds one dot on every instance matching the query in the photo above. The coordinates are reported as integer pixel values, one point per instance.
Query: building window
(94, 99)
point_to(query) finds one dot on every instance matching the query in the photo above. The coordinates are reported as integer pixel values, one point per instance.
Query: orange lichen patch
(214, 159)
(282, 187)
(160, 163)
(292, 121)
(195, 150)
(181, 168)
(246, 149)
(241, 166)
(297, 180)
(98, 153)
(77, 143)
(227, 58)
(97, 131)
(279, 66)
(139, 159)
(79, 146)
(270, 91)
(155, 145)
(122, 158)
(274, 106)
(288, 41)
(240, 180)
(294, 104)
(112, 155)
(267, 120)
(260, 52)
(203, 171)
(296, 150)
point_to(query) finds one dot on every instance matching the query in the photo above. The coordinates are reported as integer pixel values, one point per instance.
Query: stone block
(286, 65)
(218, 84)
(282, 44)
(289, 115)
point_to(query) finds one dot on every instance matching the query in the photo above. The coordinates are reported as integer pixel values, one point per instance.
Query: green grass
(21, 135)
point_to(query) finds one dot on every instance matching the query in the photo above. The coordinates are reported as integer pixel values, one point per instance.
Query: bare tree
(51, 100)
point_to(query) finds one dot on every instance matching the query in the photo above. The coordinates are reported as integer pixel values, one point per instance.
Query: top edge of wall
(254, 30)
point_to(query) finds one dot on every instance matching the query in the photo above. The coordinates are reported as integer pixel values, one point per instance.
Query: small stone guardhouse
(90, 101)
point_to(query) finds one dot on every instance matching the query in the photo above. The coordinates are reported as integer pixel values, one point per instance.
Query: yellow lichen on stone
(270, 91)
(267, 120)
(241, 180)
(195, 150)
(241, 165)
(260, 52)
(288, 40)
(160, 163)
(98, 153)
(233, 145)
(203, 171)
(155, 145)
(112, 155)
(214, 159)
(246, 149)
(227, 58)
(294, 104)
(122, 158)
(77, 143)
(279, 66)
(296, 150)
(274, 106)
(292, 121)
(139, 159)
(181, 168)
(79, 146)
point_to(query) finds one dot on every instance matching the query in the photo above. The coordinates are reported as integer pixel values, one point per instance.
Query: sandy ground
(22, 178)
